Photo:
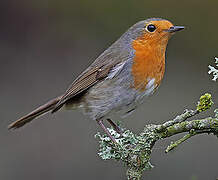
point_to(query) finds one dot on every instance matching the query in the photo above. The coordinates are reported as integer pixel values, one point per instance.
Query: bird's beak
(173, 29)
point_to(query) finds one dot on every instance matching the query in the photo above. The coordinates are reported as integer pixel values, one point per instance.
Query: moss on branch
(135, 150)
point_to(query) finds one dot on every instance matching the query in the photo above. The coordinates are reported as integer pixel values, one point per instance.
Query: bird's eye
(151, 28)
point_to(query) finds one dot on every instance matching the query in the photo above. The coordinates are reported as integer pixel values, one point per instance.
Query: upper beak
(175, 29)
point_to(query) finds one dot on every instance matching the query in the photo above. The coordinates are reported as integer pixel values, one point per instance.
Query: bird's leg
(116, 128)
(105, 130)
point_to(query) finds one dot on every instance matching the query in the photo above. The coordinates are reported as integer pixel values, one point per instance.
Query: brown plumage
(88, 79)
(36, 113)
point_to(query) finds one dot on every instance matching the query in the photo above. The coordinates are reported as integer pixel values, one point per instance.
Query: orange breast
(148, 63)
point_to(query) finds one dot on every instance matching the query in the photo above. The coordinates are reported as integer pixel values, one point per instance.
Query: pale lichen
(213, 70)
(133, 150)
(216, 113)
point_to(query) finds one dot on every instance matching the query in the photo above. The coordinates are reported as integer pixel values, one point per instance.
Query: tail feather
(34, 114)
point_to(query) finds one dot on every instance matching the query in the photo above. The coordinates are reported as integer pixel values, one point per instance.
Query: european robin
(120, 79)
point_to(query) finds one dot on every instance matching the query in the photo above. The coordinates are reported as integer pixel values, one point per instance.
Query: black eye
(151, 28)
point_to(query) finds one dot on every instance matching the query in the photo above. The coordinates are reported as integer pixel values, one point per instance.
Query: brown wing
(97, 70)
(87, 79)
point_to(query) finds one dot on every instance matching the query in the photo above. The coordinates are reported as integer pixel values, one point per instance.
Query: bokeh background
(45, 44)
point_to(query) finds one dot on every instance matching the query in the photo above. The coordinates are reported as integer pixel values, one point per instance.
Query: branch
(135, 150)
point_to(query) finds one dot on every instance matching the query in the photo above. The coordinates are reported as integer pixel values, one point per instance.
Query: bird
(120, 79)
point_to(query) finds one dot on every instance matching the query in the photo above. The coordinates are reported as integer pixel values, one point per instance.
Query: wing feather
(82, 83)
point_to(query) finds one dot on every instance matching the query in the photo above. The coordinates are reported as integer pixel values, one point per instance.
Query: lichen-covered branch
(135, 150)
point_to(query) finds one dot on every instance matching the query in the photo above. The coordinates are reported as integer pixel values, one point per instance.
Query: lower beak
(175, 29)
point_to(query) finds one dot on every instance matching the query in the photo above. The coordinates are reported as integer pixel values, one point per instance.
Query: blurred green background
(45, 44)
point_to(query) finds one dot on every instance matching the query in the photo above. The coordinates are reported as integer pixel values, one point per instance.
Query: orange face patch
(149, 60)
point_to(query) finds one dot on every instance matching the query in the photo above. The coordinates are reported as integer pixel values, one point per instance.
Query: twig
(178, 142)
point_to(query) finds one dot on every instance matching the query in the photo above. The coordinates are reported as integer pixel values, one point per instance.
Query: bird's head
(153, 31)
